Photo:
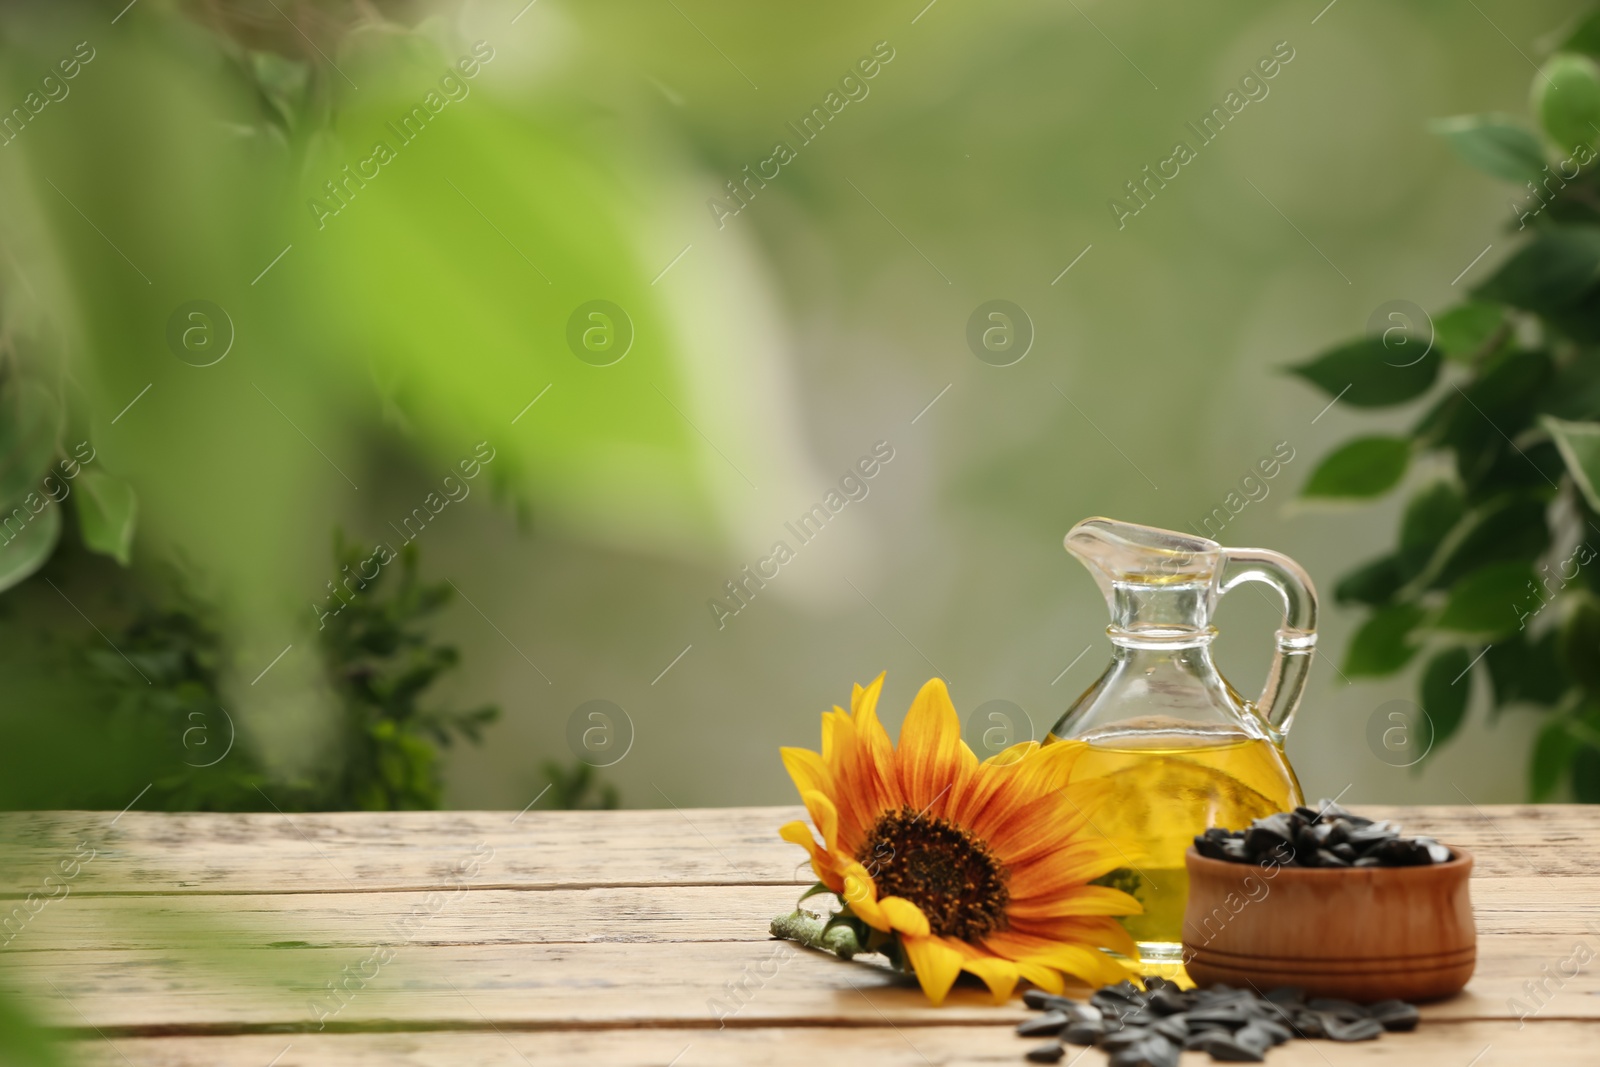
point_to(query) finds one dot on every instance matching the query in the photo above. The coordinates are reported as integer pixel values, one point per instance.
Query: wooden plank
(1503, 906)
(361, 920)
(153, 852)
(1451, 1044)
(602, 984)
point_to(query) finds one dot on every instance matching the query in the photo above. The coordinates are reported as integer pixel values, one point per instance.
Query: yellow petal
(1046, 979)
(1017, 752)
(874, 775)
(861, 894)
(826, 816)
(998, 974)
(936, 964)
(1079, 900)
(931, 757)
(866, 699)
(809, 772)
(798, 833)
(905, 916)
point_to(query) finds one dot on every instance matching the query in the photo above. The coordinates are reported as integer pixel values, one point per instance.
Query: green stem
(811, 930)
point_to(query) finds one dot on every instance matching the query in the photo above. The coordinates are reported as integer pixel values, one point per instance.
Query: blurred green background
(425, 325)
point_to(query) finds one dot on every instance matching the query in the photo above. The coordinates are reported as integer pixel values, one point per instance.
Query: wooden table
(634, 937)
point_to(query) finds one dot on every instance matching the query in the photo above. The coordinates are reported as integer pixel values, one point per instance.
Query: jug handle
(1297, 637)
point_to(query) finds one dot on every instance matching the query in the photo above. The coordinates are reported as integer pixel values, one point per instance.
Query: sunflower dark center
(942, 869)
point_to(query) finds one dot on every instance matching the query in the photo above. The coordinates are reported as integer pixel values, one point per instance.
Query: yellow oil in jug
(1168, 783)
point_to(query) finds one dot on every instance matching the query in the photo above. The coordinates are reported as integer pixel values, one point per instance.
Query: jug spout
(1162, 587)
(1159, 584)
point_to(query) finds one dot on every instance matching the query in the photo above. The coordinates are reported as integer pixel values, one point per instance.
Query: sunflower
(962, 866)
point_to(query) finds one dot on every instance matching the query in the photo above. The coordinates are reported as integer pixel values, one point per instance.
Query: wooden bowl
(1360, 933)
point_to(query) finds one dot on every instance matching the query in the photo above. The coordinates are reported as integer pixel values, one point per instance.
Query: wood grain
(620, 937)
(152, 852)
(1443, 1044)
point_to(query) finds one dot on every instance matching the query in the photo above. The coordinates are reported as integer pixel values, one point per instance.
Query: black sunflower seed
(1084, 1032)
(1051, 1022)
(1222, 1046)
(1039, 1000)
(1170, 1001)
(1326, 836)
(1265, 1029)
(1230, 1016)
(1050, 1053)
(1343, 1009)
(1363, 1029)
(1151, 1028)
(1395, 1014)
(1122, 1039)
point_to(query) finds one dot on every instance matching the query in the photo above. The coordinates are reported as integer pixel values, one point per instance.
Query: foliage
(380, 659)
(47, 465)
(570, 788)
(1495, 565)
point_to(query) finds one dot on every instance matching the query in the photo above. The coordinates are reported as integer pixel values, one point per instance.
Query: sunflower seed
(1151, 1028)
(1262, 1034)
(1395, 1014)
(1170, 1001)
(1363, 1029)
(1123, 1039)
(1325, 836)
(1153, 1051)
(1039, 1000)
(1342, 1009)
(1084, 1033)
(1051, 1022)
(1232, 1017)
(1224, 1047)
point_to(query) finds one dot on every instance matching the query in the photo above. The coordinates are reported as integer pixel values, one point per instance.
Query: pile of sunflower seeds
(1325, 836)
(1152, 1027)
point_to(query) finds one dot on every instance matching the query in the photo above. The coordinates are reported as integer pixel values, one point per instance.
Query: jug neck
(1161, 615)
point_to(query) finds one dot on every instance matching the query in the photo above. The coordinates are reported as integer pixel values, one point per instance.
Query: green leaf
(815, 890)
(1372, 583)
(24, 1038)
(1463, 330)
(30, 422)
(1367, 374)
(1585, 37)
(1586, 774)
(1381, 646)
(1566, 99)
(1548, 273)
(1579, 445)
(1552, 753)
(1573, 391)
(1446, 685)
(106, 509)
(1491, 601)
(1511, 526)
(1578, 642)
(1431, 514)
(1521, 670)
(1494, 144)
(26, 541)
(1365, 467)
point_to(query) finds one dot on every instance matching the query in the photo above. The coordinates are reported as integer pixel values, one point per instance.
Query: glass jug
(1181, 749)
